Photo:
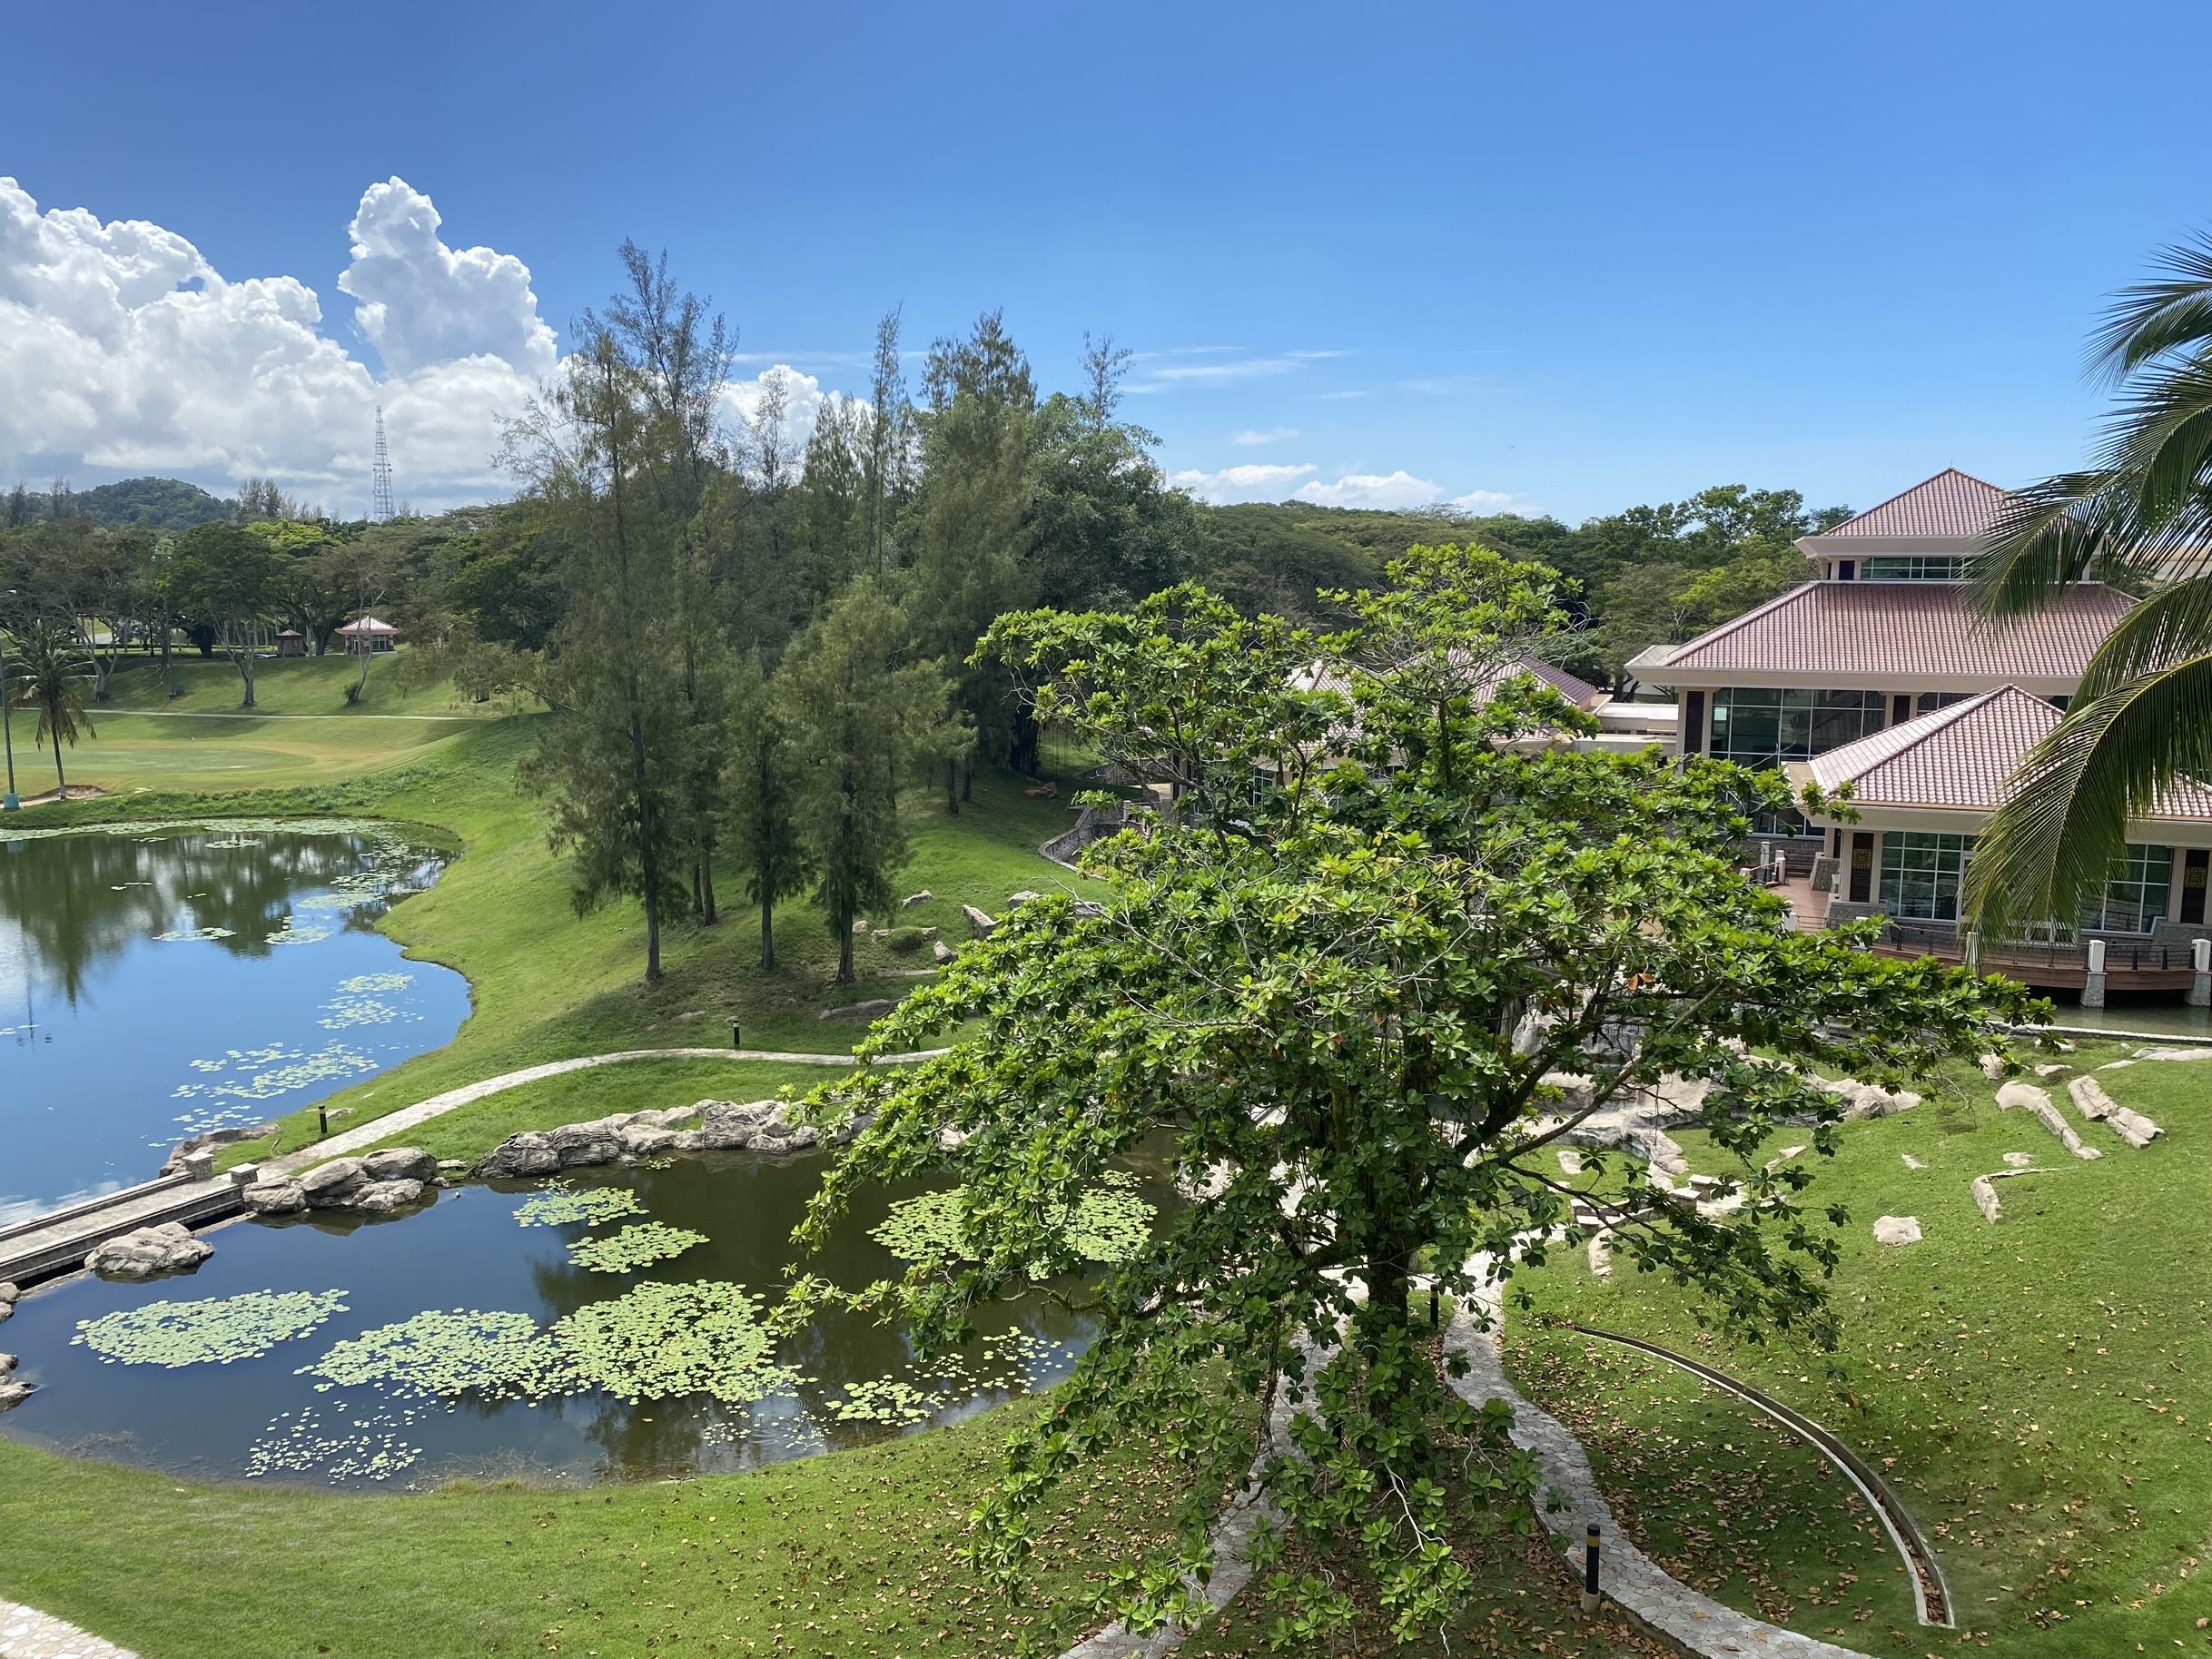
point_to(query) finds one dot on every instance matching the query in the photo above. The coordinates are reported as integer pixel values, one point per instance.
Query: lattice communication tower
(379, 476)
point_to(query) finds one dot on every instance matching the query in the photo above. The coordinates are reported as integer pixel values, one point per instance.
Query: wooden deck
(2129, 965)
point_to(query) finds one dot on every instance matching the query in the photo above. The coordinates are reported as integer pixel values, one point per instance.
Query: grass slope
(857, 1552)
(2039, 1390)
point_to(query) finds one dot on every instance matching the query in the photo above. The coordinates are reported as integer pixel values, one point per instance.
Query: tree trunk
(845, 975)
(648, 864)
(60, 782)
(967, 781)
(952, 786)
(245, 668)
(706, 879)
(767, 931)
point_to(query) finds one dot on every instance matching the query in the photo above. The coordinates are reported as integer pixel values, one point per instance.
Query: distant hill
(151, 504)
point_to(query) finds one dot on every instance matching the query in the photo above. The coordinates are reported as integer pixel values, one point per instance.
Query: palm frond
(2171, 626)
(2149, 319)
(2050, 849)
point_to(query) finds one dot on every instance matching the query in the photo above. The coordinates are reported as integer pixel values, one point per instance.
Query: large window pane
(1920, 873)
(2136, 894)
(1763, 726)
(1910, 567)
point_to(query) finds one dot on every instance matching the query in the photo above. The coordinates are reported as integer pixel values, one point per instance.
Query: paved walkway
(27, 1633)
(1630, 1579)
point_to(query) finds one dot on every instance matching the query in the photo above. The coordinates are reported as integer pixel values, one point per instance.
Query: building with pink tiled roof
(1921, 793)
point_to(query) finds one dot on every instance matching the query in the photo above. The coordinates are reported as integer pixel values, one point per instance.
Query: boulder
(13, 1393)
(168, 1246)
(687, 1140)
(755, 1126)
(913, 899)
(526, 1153)
(2027, 1097)
(860, 926)
(1087, 907)
(1896, 1230)
(1866, 1100)
(332, 1185)
(2095, 1104)
(644, 1140)
(579, 1144)
(941, 951)
(449, 1165)
(399, 1163)
(857, 1010)
(928, 935)
(9, 1296)
(383, 1197)
(273, 1198)
(1023, 897)
(982, 921)
(9, 1362)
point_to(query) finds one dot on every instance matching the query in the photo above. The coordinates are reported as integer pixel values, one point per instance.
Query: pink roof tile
(1925, 629)
(1952, 503)
(1962, 758)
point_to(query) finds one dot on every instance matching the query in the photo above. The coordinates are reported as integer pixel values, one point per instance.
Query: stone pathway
(1631, 1579)
(27, 1633)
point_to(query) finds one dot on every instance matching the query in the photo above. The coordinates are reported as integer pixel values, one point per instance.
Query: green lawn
(857, 1552)
(2039, 1390)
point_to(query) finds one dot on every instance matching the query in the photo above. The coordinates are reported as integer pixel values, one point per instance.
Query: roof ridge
(1908, 489)
(1712, 634)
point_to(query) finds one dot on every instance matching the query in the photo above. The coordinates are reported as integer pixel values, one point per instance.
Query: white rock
(2163, 1052)
(1570, 1161)
(941, 951)
(1911, 1162)
(913, 899)
(1023, 897)
(2019, 1160)
(2095, 1104)
(2027, 1097)
(982, 921)
(168, 1246)
(1896, 1230)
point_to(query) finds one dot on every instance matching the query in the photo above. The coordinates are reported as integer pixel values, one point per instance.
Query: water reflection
(159, 980)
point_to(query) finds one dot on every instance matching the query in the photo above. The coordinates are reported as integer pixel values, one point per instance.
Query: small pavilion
(369, 633)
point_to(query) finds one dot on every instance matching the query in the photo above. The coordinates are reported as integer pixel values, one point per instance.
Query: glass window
(1763, 726)
(1928, 702)
(1920, 874)
(1910, 567)
(2136, 894)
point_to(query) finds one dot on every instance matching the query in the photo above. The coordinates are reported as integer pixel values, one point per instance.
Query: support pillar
(2093, 987)
(2200, 960)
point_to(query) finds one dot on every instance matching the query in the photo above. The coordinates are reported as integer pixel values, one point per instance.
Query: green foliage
(48, 672)
(559, 1206)
(906, 941)
(147, 503)
(633, 1247)
(860, 707)
(211, 1332)
(1336, 978)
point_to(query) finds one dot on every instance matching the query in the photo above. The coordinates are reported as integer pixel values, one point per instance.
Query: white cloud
(1491, 501)
(420, 302)
(1396, 489)
(1274, 435)
(1249, 482)
(123, 350)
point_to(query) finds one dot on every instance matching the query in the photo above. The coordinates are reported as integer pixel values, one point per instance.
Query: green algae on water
(633, 1247)
(559, 1206)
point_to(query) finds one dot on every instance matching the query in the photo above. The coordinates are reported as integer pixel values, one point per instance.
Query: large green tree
(863, 705)
(2138, 515)
(762, 801)
(228, 581)
(1361, 982)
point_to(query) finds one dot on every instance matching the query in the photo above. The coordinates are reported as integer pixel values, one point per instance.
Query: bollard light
(736, 1036)
(1589, 1569)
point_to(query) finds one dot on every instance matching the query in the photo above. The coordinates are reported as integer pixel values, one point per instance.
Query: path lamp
(1589, 1569)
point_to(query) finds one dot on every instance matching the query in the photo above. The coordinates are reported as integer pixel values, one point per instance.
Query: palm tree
(49, 673)
(2140, 516)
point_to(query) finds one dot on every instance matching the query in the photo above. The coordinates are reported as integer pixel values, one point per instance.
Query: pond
(157, 980)
(416, 1348)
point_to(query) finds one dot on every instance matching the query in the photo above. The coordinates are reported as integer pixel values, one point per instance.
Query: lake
(160, 980)
(471, 1264)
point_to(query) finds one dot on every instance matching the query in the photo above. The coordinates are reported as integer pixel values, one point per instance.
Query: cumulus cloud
(1490, 502)
(1249, 482)
(1395, 490)
(122, 348)
(419, 302)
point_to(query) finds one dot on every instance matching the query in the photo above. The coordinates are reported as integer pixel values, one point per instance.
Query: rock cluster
(755, 1126)
(12, 1393)
(379, 1182)
(168, 1246)
(623, 1134)
(8, 1295)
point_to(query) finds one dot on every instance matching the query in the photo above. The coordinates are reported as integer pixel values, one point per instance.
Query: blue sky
(1577, 257)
